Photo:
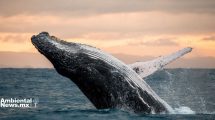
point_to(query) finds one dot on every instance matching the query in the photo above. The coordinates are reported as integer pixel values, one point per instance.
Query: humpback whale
(106, 81)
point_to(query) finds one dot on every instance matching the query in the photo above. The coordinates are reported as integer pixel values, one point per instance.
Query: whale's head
(60, 53)
(47, 44)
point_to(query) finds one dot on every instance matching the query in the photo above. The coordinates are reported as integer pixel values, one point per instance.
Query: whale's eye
(136, 69)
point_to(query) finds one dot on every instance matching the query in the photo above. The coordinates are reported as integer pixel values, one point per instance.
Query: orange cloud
(134, 33)
(145, 23)
(209, 38)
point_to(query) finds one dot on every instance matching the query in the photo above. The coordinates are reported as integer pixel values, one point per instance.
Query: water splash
(183, 110)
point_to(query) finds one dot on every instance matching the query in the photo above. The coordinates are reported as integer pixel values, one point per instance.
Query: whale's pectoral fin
(147, 68)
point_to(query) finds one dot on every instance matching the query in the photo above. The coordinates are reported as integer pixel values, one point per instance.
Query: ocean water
(191, 92)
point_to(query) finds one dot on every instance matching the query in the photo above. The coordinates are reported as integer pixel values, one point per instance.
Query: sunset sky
(130, 27)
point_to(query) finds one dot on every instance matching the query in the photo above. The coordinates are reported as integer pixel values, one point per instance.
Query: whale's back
(139, 87)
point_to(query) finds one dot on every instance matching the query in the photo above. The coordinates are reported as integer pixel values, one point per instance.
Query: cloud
(14, 38)
(122, 24)
(209, 38)
(158, 42)
(32, 60)
(90, 7)
(162, 42)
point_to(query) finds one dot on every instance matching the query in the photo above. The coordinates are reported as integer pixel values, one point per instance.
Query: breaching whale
(106, 81)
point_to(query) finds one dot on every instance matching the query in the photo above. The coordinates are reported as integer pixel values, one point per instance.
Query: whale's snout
(39, 39)
(52, 47)
(43, 42)
(49, 44)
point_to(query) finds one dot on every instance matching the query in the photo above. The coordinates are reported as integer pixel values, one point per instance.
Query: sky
(144, 28)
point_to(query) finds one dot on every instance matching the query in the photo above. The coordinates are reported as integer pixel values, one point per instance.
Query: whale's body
(106, 81)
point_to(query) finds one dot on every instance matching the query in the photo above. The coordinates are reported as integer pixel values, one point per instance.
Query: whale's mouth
(38, 48)
(34, 42)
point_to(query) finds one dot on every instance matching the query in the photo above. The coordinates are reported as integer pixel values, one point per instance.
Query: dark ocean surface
(191, 92)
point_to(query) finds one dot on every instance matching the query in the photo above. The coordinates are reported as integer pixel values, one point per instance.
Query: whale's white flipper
(147, 68)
